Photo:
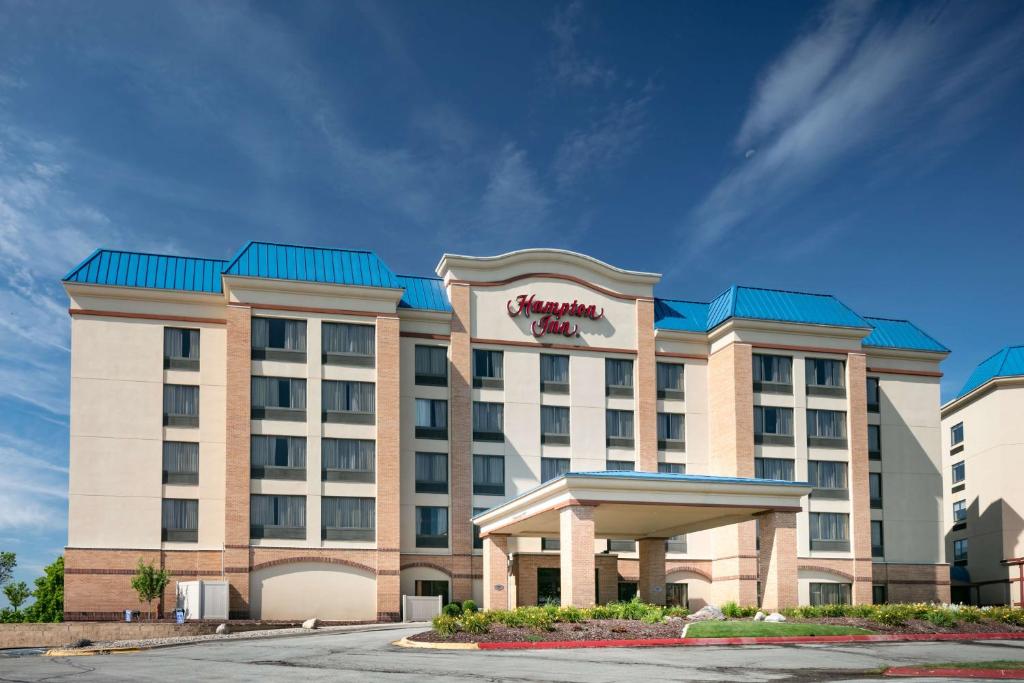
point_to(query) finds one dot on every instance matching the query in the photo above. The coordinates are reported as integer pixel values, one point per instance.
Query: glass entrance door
(549, 586)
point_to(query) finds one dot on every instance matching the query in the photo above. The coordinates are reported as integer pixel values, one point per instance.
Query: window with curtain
(824, 372)
(877, 539)
(488, 420)
(348, 518)
(431, 527)
(830, 593)
(670, 427)
(676, 544)
(487, 364)
(875, 442)
(781, 469)
(874, 394)
(671, 468)
(431, 418)
(348, 397)
(431, 473)
(271, 456)
(554, 369)
(826, 474)
(773, 369)
(554, 420)
(347, 338)
(959, 472)
(279, 393)
(180, 520)
(875, 489)
(960, 511)
(551, 468)
(489, 475)
(619, 424)
(181, 405)
(356, 457)
(279, 334)
(181, 462)
(670, 376)
(620, 465)
(618, 372)
(181, 349)
(826, 424)
(432, 365)
(830, 526)
(773, 420)
(478, 543)
(960, 552)
(277, 516)
(956, 434)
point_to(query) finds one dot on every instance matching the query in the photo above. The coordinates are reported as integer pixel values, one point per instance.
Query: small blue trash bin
(128, 615)
(179, 616)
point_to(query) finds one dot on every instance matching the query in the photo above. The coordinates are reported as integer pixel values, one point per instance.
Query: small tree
(8, 561)
(149, 582)
(17, 593)
(48, 594)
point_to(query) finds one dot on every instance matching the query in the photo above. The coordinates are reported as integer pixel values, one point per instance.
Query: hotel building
(982, 447)
(321, 432)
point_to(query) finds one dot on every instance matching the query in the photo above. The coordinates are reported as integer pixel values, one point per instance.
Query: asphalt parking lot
(369, 656)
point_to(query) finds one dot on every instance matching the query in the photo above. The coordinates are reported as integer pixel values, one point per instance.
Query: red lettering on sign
(551, 314)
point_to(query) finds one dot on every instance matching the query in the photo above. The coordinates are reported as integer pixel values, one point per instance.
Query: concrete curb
(57, 652)
(416, 644)
(929, 672)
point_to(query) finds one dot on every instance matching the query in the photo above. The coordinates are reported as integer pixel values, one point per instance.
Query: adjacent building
(320, 432)
(982, 447)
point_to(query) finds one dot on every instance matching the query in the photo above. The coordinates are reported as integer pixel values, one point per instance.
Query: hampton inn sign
(551, 314)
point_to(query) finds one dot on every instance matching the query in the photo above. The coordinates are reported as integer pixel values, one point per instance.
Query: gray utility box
(203, 600)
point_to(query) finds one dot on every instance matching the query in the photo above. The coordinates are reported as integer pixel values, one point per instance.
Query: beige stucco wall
(303, 590)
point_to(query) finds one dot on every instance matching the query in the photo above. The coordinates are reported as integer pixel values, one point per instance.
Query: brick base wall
(913, 582)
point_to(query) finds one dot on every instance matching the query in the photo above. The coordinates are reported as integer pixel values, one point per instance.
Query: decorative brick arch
(826, 570)
(314, 559)
(692, 570)
(427, 565)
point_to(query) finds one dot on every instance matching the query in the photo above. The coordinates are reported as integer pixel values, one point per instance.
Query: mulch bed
(916, 625)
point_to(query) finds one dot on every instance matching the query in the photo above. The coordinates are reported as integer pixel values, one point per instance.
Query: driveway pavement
(367, 657)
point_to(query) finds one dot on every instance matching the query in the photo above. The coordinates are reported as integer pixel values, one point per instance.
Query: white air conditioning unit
(203, 600)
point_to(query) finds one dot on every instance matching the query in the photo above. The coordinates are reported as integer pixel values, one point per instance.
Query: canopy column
(576, 527)
(652, 570)
(778, 560)
(495, 572)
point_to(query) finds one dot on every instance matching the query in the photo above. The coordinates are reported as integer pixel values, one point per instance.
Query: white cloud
(604, 143)
(513, 202)
(20, 513)
(569, 67)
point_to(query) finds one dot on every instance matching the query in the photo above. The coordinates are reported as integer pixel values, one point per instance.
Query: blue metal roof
(774, 304)
(900, 334)
(424, 293)
(665, 476)
(312, 264)
(1007, 362)
(151, 271)
(683, 316)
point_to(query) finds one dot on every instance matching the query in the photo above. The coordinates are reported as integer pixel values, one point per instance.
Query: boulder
(311, 623)
(759, 616)
(775, 617)
(223, 629)
(707, 613)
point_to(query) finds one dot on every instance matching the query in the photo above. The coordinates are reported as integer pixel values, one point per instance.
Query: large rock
(759, 616)
(223, 629)
(707, 613)
(311, 623)
(775, 617)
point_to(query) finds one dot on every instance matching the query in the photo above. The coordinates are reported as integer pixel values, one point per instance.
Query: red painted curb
(926, 672)
(760, 640)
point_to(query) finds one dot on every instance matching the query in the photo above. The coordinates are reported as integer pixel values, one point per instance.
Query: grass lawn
(997, 664)
(748, 629)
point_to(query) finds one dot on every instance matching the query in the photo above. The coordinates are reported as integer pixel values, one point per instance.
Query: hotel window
(874, 442)
(278, 339)
(478, 543)
(181, 349)
(349, 402)
(670, 380)
(875, 490)
(671, 468)
(617, 545)
(431, 527)
(830, 593)
(671, 432)
(825, 377)
(773, 425)
(552, 468)
(828, 479)
(181, 405)
(180, 520)
(956, 435)
(348, 460)
(431, 418)
(487, 369)
(432, 366)
(773, 374)
(874, 395)
(431, 473)
(554, 374)
(879, 594)
(826, 428)
(277, 457)
(619, 424)
(488, 421)
(830, 531)
(550, 544)
(676, 544)
(780, 469)
(960, 552)
(181, 462)
(620, 465)
(489, 475)
(348, 519)
(877, 539)
(427, 588)
(281, 517)
(677, 594)
(959, 473)
(960, 511)
(278, 398)
(348, 344)
(554, 425)
(618, 377)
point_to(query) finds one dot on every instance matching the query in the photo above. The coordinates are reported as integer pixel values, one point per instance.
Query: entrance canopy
(638, 505)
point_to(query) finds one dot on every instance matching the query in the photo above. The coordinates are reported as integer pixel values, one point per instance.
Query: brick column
(731, 441)
(389, 593)
(860, 495)
(646, 388)
(577, 555)
(496, 572)
(778, 561)
(460, 439)
(236, 479)
(652, 570)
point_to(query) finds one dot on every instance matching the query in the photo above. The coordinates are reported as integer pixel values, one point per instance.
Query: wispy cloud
(513, 201)
(569, 66)
(857, 82)
(603, 144)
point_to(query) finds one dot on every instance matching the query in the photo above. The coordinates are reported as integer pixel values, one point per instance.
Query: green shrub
(676, 611)
(452, 609)
(633, 610)
(834, 610)
(731, 610)
(538, 618)
(475, 622)
(969, 614)
(511, 618)
(653, 615)
(571, 615)
(469, 606)
(893, 615)
(445, 625)
(861, 611)
(942, 617)
(603, 612)
(1007, 615)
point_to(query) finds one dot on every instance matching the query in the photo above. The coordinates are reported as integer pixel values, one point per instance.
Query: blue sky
(871, 151)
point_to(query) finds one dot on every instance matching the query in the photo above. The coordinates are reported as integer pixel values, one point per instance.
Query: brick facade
(237, 458)
(651, 570)
(389, 529)
(460, 434)
(496, 588)
(777, 563)
(577, 555)
(646, 389)
(860, 518)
